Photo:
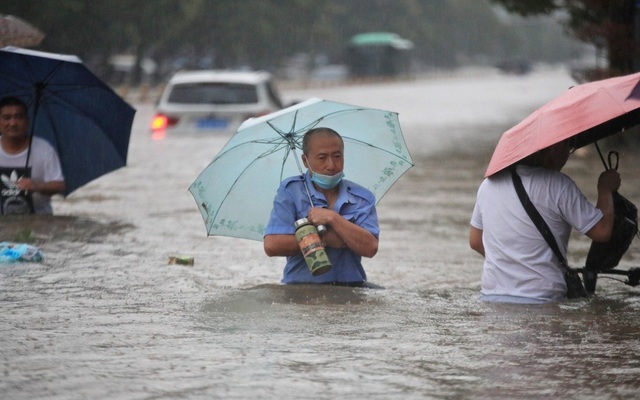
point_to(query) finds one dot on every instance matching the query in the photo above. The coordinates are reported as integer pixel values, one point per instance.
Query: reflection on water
(435, 344)
(319, 295)
(579, 349)
(105, 316)
(52, 228)
(108, 310)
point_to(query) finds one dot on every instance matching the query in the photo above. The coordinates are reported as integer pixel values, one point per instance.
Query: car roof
(251, 77)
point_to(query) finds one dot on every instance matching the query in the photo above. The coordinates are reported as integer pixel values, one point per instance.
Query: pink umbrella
(588, 112)
(18, 33)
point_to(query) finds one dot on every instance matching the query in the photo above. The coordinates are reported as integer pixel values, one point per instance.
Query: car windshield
(213, 93)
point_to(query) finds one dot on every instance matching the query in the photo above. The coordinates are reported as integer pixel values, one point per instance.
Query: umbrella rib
(51, 90)
(317, 122)
(285, 157)
(312, 123)
(348, 138)
(290, 136)
(274, 141)
(244, 171)
(44, 105)
(294, 140)
(52, 72)
(24, 89)
(28, 87)
(49, 96)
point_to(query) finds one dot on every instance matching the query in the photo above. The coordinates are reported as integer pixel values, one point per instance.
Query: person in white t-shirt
(25, 189)
(519, 265)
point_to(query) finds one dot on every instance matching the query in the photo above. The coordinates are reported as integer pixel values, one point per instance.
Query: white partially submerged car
(214, 101)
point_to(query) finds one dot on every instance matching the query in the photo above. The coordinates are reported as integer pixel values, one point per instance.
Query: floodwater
(105, 316)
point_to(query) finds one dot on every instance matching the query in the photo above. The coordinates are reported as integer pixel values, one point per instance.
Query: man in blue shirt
(345, 208)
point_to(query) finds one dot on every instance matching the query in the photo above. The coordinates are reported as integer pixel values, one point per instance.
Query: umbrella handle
(321, 229)
(617, 159)
(612, 153)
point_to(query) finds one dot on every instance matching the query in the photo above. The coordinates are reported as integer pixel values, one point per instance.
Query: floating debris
(181, 260)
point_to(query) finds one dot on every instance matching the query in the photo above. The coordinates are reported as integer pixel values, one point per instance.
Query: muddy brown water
(106, 316)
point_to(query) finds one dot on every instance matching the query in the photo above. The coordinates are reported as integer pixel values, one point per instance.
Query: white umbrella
(16, 32)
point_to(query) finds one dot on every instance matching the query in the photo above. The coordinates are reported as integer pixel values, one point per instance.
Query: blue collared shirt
(355, 203)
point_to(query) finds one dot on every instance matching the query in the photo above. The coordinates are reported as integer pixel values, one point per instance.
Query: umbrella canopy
(235, 192)
(588, 112)
(86, 121)
(16, 32)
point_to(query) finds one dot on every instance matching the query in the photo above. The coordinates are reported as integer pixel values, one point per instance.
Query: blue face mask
(326, 181)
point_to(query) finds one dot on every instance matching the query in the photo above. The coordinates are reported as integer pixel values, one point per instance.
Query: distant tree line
(609, 25)
(261, 34)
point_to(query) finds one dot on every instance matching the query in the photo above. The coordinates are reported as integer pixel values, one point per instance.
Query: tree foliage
(263, 33)
(529, 7)
(607, 24)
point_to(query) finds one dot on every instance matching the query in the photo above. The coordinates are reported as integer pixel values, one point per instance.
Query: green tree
(94, 30)
(606, 24)
(262, 33)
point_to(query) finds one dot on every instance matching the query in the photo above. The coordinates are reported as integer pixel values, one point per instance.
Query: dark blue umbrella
(83, 118)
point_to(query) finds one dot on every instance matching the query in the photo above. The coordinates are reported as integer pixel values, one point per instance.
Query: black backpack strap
(535, 216)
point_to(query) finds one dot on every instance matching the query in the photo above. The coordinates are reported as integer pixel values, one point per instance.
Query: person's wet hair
(13, 101)
(316, 132)
(538, 158)
(534, 160)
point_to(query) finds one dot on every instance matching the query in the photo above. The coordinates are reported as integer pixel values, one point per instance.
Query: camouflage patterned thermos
(312, 247)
